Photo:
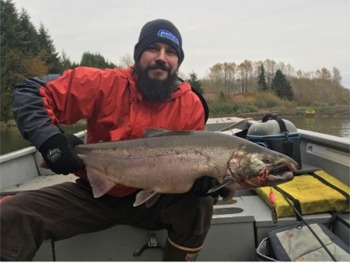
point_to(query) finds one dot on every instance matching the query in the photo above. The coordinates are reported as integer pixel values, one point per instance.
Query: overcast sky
(307, 34)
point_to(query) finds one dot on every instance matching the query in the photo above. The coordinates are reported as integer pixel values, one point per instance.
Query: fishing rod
(308, 226)
(241, 124)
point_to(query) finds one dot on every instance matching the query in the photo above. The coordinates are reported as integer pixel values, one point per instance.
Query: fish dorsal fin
(157, 132)
(146, 197)
(100, 186)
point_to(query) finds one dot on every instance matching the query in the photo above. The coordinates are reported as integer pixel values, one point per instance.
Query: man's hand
(58, 153)
(204, 184)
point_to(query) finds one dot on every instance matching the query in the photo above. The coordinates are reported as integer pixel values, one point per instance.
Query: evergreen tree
(48, 51)
(11, 67)
(19, 53)
(195, 82)
(262, 79)
(11, 34)
(281, 86)
(30, 40)
(95, 60)
(65, 61)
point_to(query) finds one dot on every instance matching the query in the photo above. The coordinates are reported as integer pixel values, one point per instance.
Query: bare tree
(323, 73)
(270, 67)
(336, 77)
(229, 77)
(126, 61)
(245, 72)
(217, 77)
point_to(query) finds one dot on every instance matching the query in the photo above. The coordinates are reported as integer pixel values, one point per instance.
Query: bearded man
(118, 104)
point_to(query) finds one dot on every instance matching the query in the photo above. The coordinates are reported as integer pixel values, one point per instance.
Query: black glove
(204, 184)
(58, 153)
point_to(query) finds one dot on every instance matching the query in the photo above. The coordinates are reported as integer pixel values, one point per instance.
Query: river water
(338, 126)
(11, 139)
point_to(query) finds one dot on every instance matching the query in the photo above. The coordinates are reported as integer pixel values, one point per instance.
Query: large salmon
(170, 162)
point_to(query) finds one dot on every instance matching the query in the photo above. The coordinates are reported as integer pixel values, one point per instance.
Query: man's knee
(16, 240)
(200, 213)
(189, 220)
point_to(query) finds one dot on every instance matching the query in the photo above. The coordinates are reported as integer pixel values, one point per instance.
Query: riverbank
(324, 111)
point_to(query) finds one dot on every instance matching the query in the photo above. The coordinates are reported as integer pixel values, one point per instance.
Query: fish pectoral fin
(100, 185)
(227, 181)
(146, 197)
(152, 200)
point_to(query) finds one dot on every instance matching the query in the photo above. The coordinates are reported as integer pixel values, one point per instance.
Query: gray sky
(307, 34)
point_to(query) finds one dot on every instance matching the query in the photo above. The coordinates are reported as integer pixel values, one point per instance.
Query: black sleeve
(29, 111)
(204, 103)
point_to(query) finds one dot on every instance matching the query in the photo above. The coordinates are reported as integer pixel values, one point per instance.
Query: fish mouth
(276, 178)
(269, 177)
(277, 173)
(281, 173)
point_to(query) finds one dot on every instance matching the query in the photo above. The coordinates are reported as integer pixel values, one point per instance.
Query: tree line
(322, 86)
(249, 76)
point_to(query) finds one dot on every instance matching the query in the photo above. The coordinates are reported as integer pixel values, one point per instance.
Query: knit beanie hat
(159, 30)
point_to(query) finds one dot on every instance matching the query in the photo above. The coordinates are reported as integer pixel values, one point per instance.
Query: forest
(254, 86)
(229, 87)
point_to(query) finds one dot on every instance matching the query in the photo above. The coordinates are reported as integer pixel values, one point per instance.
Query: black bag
(299, 243)
(277, 134)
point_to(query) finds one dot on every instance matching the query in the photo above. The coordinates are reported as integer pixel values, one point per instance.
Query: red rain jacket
(110, 102)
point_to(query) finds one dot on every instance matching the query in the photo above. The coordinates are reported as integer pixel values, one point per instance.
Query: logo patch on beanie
(168, 35)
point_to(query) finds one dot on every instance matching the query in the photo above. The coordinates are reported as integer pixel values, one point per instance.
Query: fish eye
(267, 160)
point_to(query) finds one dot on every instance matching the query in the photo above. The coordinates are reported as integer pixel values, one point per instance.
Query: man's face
(156, 70)
(160, 60)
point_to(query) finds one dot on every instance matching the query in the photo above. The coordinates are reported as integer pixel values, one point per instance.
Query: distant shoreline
(325, 111)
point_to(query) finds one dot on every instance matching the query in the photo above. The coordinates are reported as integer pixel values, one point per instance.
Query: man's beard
(153, 89)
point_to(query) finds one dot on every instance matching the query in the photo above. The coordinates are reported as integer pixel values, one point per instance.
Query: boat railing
(23, 165)
(327, 152)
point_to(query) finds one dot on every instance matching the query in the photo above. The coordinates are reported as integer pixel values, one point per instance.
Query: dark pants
(68, 209)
